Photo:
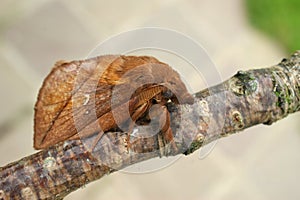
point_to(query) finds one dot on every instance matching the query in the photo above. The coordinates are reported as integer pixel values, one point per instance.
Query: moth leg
(135, 116)
(91, 129)
(166, 131)
(161, 144)
(95, 141)
(165, 137)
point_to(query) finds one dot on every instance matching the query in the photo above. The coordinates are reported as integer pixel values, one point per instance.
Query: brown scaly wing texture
(53, 120)
(79, 92)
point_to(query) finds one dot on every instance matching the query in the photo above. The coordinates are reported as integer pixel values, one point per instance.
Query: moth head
(165, 75)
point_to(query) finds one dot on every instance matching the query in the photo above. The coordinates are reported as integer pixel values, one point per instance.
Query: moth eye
(168, 94)
(154, 101)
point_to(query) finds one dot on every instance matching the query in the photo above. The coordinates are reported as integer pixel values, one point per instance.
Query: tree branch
(246, 99)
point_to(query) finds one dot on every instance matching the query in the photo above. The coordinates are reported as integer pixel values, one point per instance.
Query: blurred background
(260, 163)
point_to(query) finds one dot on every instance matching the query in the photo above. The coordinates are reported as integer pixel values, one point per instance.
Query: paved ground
(260, 163)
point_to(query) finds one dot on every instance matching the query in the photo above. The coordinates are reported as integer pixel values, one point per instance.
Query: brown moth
(74, 90)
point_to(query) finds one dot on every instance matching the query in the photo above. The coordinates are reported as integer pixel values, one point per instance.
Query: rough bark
(258, 96)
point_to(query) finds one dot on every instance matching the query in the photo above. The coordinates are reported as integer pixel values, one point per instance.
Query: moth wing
(65, 96)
